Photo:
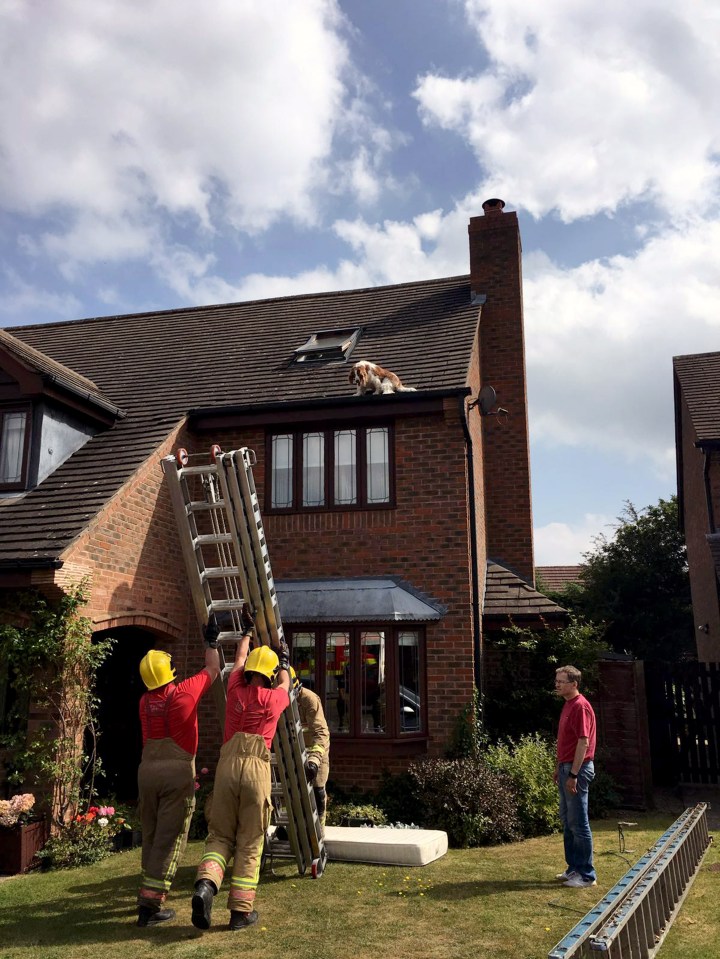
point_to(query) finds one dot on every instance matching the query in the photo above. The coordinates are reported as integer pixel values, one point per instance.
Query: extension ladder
(223, 544)
(631, 921)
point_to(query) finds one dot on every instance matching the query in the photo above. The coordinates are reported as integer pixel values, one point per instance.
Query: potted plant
(22, 834)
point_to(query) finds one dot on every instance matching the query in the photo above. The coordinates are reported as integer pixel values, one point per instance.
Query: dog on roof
(368, 377)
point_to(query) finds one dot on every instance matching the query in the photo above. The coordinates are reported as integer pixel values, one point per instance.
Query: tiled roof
(699, 378)
(157, 366)
(556, 578)
(506, 595)
(381, 599)
(48, 368)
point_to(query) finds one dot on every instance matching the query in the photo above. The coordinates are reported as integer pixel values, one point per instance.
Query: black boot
(153, 917)
(241, 920)
(202, 903)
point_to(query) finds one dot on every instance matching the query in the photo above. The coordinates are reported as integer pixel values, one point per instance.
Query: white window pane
(345, 467)
(12, 446)
(409, 667)
(313, 469)
(378, 466)
(281, 492)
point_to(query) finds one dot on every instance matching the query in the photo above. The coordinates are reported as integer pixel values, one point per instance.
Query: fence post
(623, 733)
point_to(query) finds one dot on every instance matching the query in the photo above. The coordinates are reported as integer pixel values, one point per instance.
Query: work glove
(211, 632)
(247, 619)
(283, 652)
(311, 770)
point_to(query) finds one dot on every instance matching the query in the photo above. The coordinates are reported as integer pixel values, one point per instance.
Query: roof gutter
(477, 644)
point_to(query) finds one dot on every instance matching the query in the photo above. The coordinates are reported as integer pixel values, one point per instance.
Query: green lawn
(495, 902)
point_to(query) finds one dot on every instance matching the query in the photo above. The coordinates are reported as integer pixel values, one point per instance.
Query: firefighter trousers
(166, 785)
(239, 816)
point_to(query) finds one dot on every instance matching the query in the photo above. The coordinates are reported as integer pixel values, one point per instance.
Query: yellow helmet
(156, 668)
(262, 660)
(294, 681)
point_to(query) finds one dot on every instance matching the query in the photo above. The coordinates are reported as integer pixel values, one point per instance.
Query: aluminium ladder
(223, 544)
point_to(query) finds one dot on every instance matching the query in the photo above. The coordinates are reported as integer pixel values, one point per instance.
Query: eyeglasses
(563, 682)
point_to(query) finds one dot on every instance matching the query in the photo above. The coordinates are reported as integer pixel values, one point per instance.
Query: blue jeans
(574, 818)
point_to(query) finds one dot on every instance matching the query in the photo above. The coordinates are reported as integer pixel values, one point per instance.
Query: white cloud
(587, 106)
(563, 544)
(123, 115)
(601, 337)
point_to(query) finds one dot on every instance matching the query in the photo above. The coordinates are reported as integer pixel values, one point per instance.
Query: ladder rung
(223, 605)
(197, 470)
(200, 506)
(229, 636)
(208, 539)
(219, 572)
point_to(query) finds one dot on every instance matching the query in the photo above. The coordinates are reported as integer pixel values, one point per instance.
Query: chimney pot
(493, 206)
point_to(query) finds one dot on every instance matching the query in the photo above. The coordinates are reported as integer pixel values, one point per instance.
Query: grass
(498, 902)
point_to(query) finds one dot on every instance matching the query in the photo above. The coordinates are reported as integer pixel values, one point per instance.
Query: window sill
(343, 746)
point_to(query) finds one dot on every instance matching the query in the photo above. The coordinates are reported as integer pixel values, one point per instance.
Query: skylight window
(328, 345)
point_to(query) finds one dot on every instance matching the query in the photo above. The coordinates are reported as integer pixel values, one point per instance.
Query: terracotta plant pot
(19, 844)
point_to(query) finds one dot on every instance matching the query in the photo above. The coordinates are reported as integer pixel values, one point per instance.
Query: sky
(161, 153)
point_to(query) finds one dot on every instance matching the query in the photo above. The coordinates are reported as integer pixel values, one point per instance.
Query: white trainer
(567, 874)
(577, 882)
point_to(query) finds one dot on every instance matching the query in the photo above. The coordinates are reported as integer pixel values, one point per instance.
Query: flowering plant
(16, 810)
(101, 817)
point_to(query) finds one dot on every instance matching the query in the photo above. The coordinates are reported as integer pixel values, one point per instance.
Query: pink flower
(197, 785)
(110, 811)
(204, 771)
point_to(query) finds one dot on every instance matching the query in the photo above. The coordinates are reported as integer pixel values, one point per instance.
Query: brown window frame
(329, 469)
(21, 484)
(393, 732)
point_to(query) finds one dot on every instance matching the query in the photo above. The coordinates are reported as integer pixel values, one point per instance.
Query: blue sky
(155, 156)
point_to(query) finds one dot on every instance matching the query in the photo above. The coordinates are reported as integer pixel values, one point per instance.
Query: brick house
(697, 443)
(392, 521)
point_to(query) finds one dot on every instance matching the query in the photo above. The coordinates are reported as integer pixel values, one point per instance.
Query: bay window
(369, 679)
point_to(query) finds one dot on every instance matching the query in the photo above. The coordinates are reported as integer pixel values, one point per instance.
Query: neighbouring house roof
(555, 578)
(158, 366)
(699, 378)
(382, 599)
(507, 596)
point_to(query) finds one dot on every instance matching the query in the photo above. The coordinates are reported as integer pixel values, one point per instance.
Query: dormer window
(14, 444)
(328, 345)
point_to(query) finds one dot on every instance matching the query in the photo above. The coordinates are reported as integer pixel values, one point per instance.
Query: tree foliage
(636, 583)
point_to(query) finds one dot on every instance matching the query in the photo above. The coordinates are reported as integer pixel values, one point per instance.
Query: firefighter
(240, 811)
(166, 777)
(317, 742)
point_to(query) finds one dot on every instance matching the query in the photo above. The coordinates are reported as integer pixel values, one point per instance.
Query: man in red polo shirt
(166, 777)
(575, 771)
(240, 811)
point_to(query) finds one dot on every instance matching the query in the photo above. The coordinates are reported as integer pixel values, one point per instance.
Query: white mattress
(394, 847)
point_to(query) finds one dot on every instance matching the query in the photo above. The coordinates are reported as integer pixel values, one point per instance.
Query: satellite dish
(487, 399)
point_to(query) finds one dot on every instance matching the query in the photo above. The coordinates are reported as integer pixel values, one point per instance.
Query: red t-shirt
(172, 711)
(253, 709)
(577, 721)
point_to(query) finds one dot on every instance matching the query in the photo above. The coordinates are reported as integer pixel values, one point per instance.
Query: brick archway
(139, 620)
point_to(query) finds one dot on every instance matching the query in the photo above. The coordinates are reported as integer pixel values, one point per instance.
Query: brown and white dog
(368, 377)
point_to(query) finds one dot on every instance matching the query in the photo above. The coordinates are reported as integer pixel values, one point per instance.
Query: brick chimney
(496, 273)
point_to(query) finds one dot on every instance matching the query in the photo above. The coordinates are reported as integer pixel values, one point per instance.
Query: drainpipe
(477, 646)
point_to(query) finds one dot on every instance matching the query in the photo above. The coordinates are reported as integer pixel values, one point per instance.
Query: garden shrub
(338, 813)
(605, 794)
(473, 803)
(396, 797)
(530, 764)
(78, 844)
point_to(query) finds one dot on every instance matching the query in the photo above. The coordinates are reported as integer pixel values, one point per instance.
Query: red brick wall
(703, 579)
(495, 271)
